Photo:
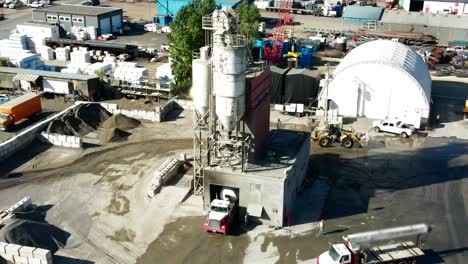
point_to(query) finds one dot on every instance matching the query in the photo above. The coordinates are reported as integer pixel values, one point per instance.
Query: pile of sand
(121, 122)
(113, 135)
(34, 234)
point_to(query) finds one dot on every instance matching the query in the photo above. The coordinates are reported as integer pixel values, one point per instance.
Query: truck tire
(347, 143)
(324, 142)
(404, 135)
(377, 129)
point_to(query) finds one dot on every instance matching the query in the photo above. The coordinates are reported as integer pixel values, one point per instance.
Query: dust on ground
(123, 235)
(394, 182)
(193, 245)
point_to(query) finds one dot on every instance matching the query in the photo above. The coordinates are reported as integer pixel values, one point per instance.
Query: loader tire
(324, 142)
(347, 143)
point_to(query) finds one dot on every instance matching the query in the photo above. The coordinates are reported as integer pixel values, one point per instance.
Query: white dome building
(380, 79)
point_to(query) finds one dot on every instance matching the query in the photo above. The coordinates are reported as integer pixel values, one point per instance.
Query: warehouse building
(167, 9)
(446, 28)
(380, 79)
(105, 19)
(267, 188)
(48, 81)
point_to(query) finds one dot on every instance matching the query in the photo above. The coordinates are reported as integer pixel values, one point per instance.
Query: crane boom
(388, 233)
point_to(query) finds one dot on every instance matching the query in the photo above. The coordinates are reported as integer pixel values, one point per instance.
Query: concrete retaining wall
(186, 104)
(25, 255)
(164, 174)
(23, 139)
(153, 116)
(61, 140)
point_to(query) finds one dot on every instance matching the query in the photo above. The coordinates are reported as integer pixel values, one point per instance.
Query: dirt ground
(98, 195)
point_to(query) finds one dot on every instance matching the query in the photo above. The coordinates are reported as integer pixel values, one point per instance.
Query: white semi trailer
(350, 251)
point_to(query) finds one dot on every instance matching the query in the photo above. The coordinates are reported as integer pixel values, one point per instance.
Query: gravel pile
(34, 234)
(113, 135)
(120, 121)
(80, 121)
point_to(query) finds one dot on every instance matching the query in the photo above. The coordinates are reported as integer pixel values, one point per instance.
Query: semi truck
(18, 109)
(221, 215)
(350, 251)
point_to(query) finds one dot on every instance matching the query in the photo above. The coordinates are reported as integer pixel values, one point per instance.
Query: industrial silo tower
(218, 89)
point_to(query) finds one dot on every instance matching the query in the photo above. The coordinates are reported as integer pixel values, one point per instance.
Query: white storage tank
(201, 81)
(380, 79)
(229, 82)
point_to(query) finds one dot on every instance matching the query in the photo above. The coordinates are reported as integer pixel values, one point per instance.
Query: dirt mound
(34, 234)
(94, 115)
(58, 127)
(113, 135)
(76, 125)
(121, 122)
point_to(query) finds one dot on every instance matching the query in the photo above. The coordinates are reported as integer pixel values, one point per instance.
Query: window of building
(78, 19)
(49, 17)
(61, 18)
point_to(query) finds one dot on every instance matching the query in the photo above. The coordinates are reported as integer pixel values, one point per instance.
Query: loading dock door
(105, 25)
(56, 87)
(116, 23)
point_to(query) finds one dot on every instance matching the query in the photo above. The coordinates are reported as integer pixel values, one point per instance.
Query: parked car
(15, 4)
(36, 4)
(6, 3)
(394, 127)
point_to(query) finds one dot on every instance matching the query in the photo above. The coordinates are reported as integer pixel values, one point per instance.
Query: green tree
(99, 73)
(249, 18)
(186, 37)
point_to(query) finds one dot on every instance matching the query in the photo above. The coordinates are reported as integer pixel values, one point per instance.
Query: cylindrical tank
(229, 59)
(201, 80)
(229, 81)
(230, 110)
(229, 85)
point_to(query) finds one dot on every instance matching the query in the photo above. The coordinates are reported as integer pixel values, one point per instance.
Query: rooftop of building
(78, 10)
(38, 24)
(281, 153)
(51, 74)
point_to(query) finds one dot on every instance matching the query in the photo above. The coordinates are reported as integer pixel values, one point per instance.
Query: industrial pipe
(388, 233)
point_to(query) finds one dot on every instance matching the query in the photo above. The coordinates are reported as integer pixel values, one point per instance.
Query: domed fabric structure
(380, 79)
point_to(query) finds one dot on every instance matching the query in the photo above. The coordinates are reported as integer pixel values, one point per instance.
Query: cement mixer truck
(221, 215)
(350, 251)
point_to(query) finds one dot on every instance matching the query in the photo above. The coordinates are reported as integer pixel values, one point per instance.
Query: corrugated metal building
(11, 78)
(105, 19)
(355, 16)
(446, 28)
(171, 7)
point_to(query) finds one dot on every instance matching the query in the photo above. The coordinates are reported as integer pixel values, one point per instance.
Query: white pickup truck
(395, 127)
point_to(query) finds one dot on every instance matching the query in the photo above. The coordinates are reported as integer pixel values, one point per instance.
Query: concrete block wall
(24, 138)
(153, 116)
(163, 174)
(62, 140)
(186, 104)
(24, 255)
